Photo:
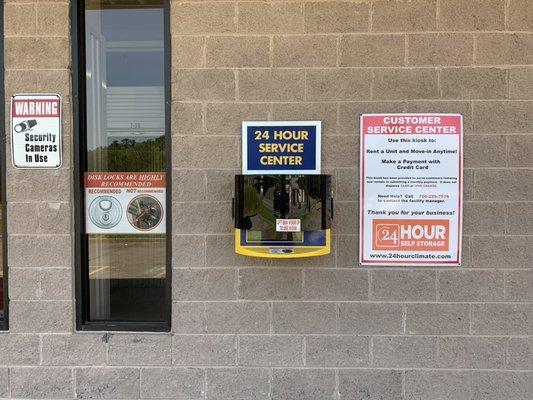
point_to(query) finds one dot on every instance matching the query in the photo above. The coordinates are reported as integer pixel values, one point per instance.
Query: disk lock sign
(281, 147)
(411, 186)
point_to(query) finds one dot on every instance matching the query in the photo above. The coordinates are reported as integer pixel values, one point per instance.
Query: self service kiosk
(283, 216)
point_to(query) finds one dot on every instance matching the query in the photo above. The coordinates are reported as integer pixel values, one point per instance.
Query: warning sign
(125, 202)
(411, 185)
(36, 130)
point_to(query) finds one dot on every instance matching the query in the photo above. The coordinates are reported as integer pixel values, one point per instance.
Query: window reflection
(125, 105)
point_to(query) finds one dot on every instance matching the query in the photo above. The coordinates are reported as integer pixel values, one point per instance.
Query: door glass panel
(125, 172)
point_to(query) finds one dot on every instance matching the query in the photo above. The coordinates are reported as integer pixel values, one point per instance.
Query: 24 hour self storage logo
(408, 235)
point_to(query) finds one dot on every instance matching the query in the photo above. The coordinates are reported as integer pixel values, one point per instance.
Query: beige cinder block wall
(312, 329)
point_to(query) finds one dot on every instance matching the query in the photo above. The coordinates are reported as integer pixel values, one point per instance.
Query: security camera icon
(105, 212)
(25, 125)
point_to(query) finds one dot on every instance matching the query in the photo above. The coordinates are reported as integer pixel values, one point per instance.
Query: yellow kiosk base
(285, 250)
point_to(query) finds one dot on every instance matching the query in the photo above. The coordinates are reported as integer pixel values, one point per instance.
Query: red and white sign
(125, 202)
(36, 130)
(411, 189)
(288, 225)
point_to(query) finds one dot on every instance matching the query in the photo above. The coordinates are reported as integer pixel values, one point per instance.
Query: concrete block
(221, 252)
(205, 152)
(404, 352)
(4, 382)
(56, 284)
(494, 155)
(19, 52)
(238, 383)
(309, 384)
(35, 218)
(220, 183)
(277, 17)
(25, 284)
(40, 383)
(519, 353)
(483, 218)
(335, 84)
(203, 84)
(226, 118)
(188, 185)
(186, 118)
(191, 252)
(125, 349)
(472, 352)
(372, 50)
(32, 251)
(347, 184)
(470, 286)
(520, 15)
(325, 112)
(336, 17)
(502, 252)
(39, 81)
(474, 15)
(337, 351)
(496, 385)
(294, 317)
(16, 17)
(370, 318)
(107, 383)
(18, 349)
(26, 185)
(238, 51)
(188, 51)
(437, 319)
(431, 385)
(241, 317)
(403, 285)
(74, 350)
(52, 19)
(40, 317)
(440, 49)
(502, 319)
(188, 317)
(204, 284)
(186, 383)
(189, 350)
(397, 16)
(473, 83)
(367, 384)
(497, 184)
(270, 284)
(521, 82)
(405, 84)
(504, 48)
(341, 152)
(519, 285)
(520, 150)
(271, 351)
(335, 285)
(202, 17)
(271, 84)
(503, 116)
(198, 218)
(305, 51)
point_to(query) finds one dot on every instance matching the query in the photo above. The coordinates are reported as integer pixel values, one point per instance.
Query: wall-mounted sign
(411, 189)
(281, 147)
(125, 202)
(36, 130)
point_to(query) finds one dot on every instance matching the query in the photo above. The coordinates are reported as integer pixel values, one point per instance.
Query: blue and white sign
(281, 147)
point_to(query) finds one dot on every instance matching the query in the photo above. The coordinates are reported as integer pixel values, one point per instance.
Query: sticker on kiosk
(411, 189)
(288, 225)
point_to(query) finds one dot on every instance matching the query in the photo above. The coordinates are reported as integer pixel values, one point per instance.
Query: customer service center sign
(411, 189)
